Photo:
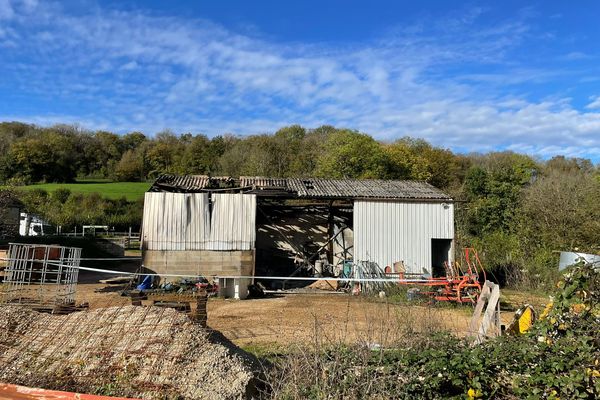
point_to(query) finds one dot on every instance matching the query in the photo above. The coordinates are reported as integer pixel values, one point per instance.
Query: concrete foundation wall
(205, 263)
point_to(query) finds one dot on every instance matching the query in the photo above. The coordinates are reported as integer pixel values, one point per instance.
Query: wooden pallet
(193, 304)
(480, 329)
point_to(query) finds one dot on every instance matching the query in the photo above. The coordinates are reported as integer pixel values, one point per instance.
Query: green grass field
(111, 190)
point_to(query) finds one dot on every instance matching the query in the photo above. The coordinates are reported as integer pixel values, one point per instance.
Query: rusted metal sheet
(8, 391)
(259, 182)
(390, 231)
(305, 187)
(189, 183)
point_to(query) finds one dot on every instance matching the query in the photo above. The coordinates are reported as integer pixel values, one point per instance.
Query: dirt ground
(301, 318)
(288, 319)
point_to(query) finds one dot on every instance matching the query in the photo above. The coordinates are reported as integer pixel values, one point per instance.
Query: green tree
(133, 140)
(201, 155)
(561, 211)
(418, 160)
(47, 157)
(287, 151)
(130, 167)
(164, 154)
(251, 156)
(406, 163)
(350, 154)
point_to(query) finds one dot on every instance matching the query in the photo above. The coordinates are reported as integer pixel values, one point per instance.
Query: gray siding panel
(233, 222)
(182, 221)
(390, 231)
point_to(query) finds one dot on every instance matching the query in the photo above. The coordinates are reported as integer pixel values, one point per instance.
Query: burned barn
(281, 227)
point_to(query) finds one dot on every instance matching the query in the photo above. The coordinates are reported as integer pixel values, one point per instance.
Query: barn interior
(295, 237)
(301, 227)
(302, 238)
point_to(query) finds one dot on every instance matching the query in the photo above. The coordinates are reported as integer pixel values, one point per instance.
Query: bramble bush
(558, 358)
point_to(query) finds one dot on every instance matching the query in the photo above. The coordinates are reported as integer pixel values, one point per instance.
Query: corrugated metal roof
(262, 183)
(305, 187)
(189, 183)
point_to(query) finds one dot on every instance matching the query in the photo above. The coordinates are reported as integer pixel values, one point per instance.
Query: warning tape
(283, 278)
(82, 259)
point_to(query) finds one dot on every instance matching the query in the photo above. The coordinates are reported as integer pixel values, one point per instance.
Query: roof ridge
(307, 187)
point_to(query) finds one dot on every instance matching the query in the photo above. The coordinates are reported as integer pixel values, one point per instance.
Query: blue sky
(470, 76)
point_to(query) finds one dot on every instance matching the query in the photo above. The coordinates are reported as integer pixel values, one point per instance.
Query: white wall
(388, 231)
(183, 221)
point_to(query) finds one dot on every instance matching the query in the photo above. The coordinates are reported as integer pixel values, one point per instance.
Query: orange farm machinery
(462, 283)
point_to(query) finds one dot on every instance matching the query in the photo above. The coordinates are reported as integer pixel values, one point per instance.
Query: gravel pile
(142, 352)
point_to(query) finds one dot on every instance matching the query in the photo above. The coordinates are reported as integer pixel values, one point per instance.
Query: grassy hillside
(112, 190)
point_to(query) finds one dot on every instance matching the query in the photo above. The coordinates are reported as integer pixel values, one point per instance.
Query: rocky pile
(141, 352)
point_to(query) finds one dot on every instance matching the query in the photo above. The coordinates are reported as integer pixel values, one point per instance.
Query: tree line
(31, 154)
(517, 209)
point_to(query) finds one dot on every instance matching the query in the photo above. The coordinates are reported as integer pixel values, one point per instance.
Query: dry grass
(291, 319)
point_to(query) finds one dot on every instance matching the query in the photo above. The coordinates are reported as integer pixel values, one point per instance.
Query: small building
(34, 225)
(255, 226)
(10, 208)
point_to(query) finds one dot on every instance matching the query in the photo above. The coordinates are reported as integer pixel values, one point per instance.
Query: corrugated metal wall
(387, 231)
(182, 221)
(233, 222)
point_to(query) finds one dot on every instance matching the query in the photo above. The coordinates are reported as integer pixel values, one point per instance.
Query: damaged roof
(315, 188)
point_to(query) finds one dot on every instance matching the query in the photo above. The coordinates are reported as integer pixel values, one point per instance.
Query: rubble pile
(141, 352)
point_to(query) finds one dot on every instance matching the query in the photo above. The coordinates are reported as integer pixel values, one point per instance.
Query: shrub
(558, 358)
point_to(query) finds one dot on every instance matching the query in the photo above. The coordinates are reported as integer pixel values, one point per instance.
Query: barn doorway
(440, 253)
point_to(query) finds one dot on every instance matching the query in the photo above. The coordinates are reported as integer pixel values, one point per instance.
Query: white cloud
(595, 104)
(192, 75)
(576, 56)
(130, 66)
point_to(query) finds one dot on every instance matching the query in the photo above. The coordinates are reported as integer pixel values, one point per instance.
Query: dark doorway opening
(440, 253)
(291, 236)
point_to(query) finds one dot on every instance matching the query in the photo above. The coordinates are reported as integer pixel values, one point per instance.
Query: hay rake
(461, 283)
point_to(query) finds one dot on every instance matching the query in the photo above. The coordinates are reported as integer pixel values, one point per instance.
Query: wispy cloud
(595, 104)
(577, 55)
(6, 10)
(127, 71)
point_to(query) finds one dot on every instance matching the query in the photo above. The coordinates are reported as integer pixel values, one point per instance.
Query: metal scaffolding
(41, 275)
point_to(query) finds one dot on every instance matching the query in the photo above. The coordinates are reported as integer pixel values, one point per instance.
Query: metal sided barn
(281, 227)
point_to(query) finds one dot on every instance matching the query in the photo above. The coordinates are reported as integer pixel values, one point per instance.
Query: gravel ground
(142, 352)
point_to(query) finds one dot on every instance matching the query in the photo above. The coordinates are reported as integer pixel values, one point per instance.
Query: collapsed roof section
(308, 188)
